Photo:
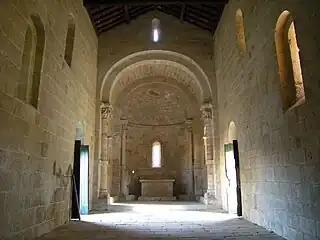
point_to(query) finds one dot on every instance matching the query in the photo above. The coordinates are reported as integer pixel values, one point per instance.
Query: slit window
(155, 30)
(31, 64)
(69, 41)
(156, 155)
(241, 40)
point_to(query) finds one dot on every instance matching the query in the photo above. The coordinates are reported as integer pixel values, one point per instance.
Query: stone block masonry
(36, 144)
(279, 151)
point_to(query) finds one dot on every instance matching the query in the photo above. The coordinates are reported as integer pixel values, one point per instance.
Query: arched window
(69, 41)
(32, 58)
(241, 39)
(291, 80)
(155, 30)
(156, 155)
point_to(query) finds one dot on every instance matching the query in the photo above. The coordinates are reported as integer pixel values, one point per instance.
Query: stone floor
(146, 221)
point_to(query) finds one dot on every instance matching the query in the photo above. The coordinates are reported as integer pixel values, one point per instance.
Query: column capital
(189, 122)
(106, 110)
(124, 123)
(206, 111)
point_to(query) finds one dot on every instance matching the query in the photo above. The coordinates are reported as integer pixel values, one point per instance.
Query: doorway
(80, 189)
(232, 172)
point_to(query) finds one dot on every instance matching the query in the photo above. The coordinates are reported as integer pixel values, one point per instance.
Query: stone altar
(157, 189)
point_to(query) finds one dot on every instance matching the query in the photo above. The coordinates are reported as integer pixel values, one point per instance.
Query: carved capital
(124, 123)
(206, 111)
(106, 110)
(189, 124)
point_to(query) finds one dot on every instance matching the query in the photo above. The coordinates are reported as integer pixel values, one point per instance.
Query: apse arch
(150, 81)
(154, 68)
(199, 77)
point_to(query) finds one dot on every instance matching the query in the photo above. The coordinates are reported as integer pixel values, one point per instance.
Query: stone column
(206, 115)
(123, 172)
(190, 161)
(106, 115)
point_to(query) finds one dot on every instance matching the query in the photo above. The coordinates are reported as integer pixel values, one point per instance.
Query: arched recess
(232, 172)
(241, 39)
(123, 108)
(291, 81)
(168, 70)
(32, 59)
(69, 41)
(79, 132)
(232, 132)
(153, 60)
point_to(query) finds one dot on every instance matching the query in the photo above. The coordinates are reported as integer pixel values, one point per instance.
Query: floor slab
(150, 222)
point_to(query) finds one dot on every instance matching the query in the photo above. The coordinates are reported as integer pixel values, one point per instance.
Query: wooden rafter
(126, 13)
(182, 12)
(105, 14)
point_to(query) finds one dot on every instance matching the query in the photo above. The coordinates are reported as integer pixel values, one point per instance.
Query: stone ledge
(144, 198)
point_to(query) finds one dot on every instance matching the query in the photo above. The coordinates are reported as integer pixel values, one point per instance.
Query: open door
(80, 181)
(75, 212)
(84, 180)
(233, 178)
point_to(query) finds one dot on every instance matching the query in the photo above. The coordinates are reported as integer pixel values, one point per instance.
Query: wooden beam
(109, 18)
(105, 12)
(182, 12)
(126, 13)
(108, 27)
(90, 2)
(140, 11)
(110, 21)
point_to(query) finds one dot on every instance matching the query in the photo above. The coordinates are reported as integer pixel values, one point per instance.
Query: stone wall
(279, 151)
(178, 37)
(156, 111)
(37, 143)
(139, 153)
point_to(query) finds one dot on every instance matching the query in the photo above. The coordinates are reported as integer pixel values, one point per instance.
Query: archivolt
(154, 68)
(156, 63)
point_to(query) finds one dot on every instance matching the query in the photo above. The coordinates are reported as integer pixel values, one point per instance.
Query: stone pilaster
(190, 161)
(106, 148)
(206, 115)
(123, 173)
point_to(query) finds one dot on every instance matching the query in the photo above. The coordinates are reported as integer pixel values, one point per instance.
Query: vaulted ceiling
(106, 16)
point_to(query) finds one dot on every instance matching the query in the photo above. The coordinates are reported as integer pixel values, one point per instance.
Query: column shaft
(106, 115)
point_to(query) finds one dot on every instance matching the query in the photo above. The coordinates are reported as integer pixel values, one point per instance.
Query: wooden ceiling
(106, 15)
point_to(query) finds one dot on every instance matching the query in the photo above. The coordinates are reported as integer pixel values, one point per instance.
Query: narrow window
(156, 155)
(32, 58)
(26, 66)
(241, 40)
(291, 80)
(69, 41)
(155, 30)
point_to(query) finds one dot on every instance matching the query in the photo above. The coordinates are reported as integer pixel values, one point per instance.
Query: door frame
(234, 148)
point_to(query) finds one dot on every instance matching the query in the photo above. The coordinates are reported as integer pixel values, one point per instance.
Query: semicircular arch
(198, 74)
(169, 70)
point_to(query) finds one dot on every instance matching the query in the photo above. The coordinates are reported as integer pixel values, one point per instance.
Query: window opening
(32, 59)
(69, 41)
(291, 80)
(156, 155)
(241, 40)
(155, 30)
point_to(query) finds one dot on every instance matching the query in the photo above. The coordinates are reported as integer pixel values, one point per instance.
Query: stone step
(150, 206)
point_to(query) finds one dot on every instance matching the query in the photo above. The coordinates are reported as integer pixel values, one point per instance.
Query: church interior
(159, 120)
